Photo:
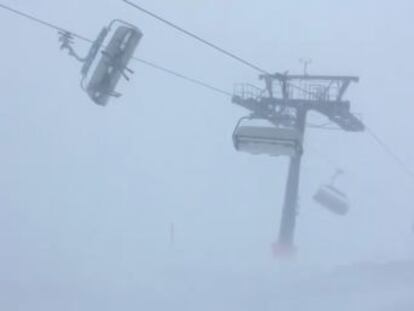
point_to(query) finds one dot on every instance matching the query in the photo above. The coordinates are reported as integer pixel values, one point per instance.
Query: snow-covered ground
(179, 285)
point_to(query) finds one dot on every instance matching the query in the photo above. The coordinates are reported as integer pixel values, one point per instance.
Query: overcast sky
(89, 193)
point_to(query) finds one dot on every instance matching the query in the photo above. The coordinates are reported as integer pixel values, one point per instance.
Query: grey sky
(89, 193)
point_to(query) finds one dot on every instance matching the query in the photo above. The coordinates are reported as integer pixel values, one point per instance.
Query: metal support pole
(288, 223)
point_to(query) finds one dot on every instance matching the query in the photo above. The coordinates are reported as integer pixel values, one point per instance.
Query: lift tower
(284, 103)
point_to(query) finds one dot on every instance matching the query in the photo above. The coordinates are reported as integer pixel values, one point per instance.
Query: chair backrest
(332, 199)
(266, 140)
(112, 64)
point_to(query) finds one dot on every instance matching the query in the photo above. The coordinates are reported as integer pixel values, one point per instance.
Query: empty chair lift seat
(267, 140)
(332, 199)
(113, 64)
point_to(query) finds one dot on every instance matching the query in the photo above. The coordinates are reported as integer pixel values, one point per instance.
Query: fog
(89, 194)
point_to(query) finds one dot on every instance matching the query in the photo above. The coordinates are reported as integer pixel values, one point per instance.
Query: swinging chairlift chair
(101, 81)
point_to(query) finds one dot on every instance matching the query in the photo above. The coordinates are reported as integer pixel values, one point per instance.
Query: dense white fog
(145, 205)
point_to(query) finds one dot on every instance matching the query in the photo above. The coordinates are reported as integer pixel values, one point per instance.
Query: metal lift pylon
(285, 102)
(290, 208)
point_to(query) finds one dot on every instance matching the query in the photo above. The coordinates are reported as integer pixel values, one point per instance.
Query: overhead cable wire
(42, 22)
(196, 37)
(183, 77)
(140, 60)
(402, 165)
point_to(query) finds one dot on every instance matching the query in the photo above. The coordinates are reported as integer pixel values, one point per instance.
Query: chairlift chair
(268, 139)
(331, 198)
(100, 83)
